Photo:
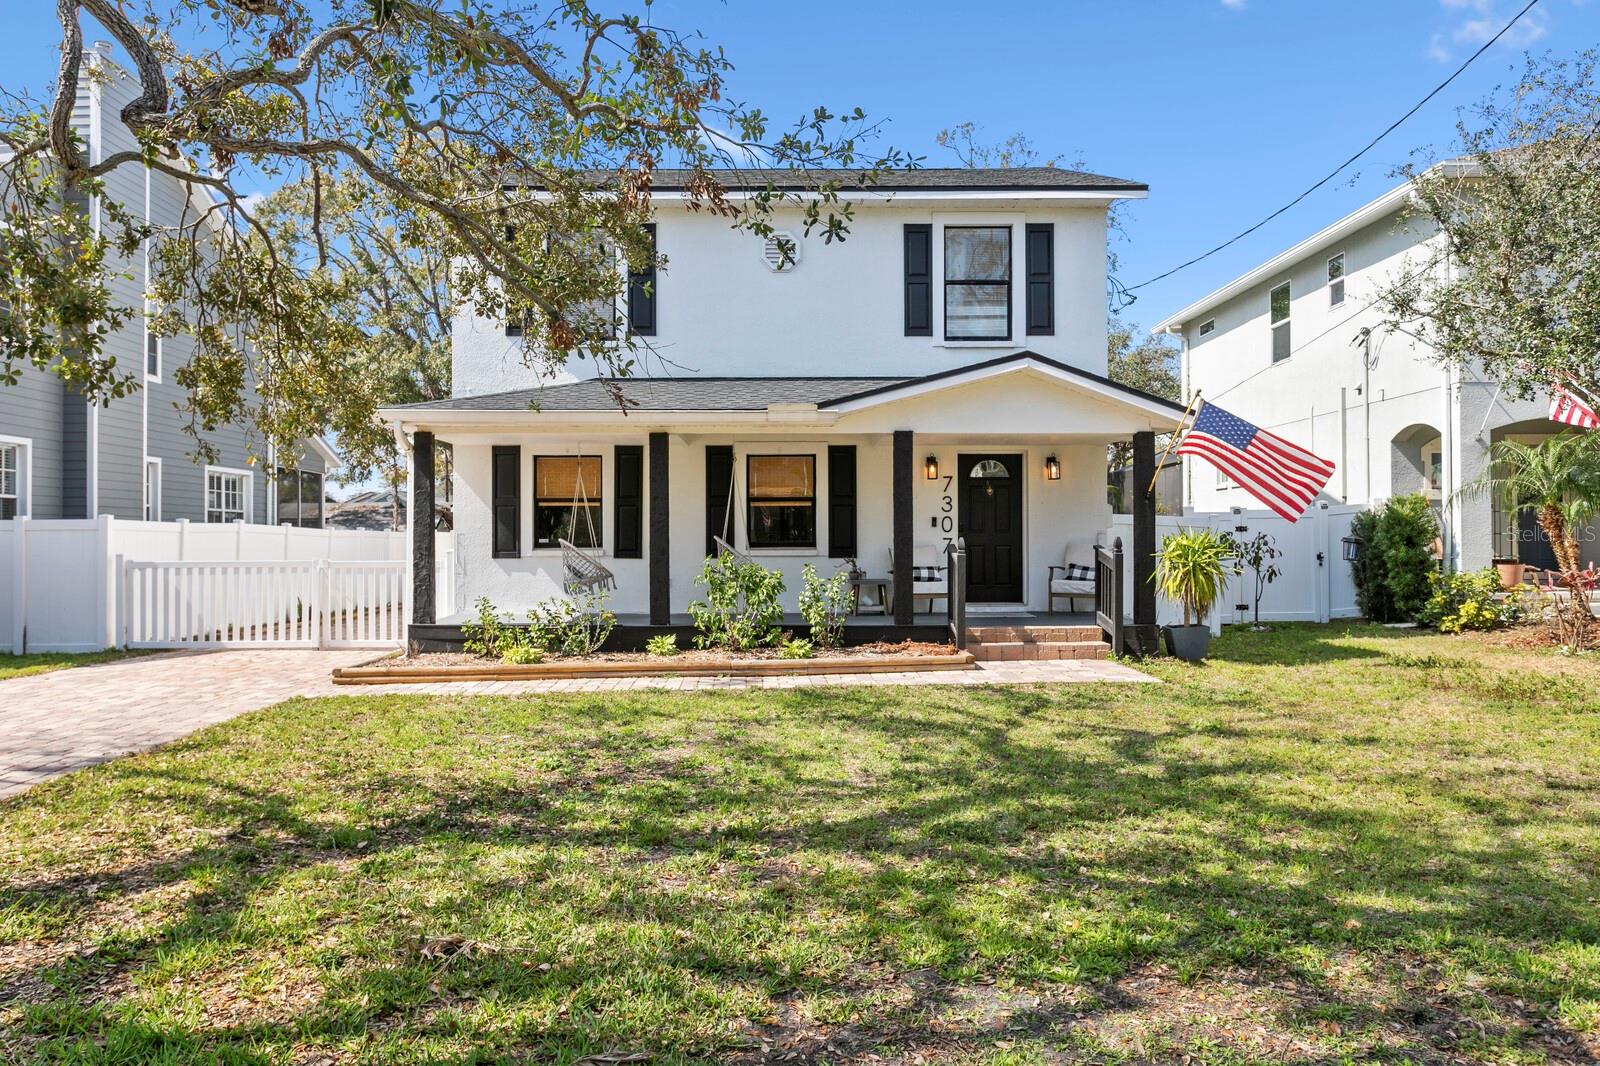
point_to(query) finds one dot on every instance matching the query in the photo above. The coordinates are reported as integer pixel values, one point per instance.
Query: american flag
(1281, 475)
(1571, 411)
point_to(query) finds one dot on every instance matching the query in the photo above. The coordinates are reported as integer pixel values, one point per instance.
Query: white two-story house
(938, 375)
(1298, 346)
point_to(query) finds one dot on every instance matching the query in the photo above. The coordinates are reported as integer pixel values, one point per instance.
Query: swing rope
(582, 570)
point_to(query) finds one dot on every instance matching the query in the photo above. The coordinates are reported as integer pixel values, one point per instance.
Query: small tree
(1259, 555)
(1406, 531)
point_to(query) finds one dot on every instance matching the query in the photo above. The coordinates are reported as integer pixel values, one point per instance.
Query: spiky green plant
(1192, 568)
(1558, 479)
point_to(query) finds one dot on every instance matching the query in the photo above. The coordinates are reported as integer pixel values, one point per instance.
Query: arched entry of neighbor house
(1415, 462)
(1519, 536)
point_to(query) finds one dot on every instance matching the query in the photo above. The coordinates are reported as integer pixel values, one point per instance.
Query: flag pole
(1187, 412)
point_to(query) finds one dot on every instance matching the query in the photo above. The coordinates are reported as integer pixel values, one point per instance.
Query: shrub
(491, 634)
(522, 655)
(665, 644)
(575, 626)
(797, 648)
(825, 604)
(741, 609)
(1466, 601)
(1369, 571)
(1405, 533)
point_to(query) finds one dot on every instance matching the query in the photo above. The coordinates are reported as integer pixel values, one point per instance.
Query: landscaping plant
(491, 634)
(1369, 572)
(1192, 569)
(742, 607)
(825, 604)
(1259, 555)
(1469, 601)
(522, 655)
(797, 648)
(663, 645)
(1558, 479)
(578, 625)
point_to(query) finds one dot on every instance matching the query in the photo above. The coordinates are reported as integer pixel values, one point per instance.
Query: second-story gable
(939, 269)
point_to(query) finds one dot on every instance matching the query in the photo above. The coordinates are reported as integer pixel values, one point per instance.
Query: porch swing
(724, 543)
(580, 570)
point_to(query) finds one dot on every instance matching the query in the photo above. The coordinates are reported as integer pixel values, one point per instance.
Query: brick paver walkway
(57, 722)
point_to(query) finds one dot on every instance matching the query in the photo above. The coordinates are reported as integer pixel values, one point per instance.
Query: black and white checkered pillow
(927, 573)
(1078, 572)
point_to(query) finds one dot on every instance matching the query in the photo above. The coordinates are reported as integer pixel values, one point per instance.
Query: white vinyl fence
(1315, 584)
(263, 604)
(63, 582)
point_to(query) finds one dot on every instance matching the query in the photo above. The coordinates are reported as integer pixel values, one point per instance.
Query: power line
(1337, 170)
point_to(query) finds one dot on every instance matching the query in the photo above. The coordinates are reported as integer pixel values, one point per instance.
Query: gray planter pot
(1189, 643)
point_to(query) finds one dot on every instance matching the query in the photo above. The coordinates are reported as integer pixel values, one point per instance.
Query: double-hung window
(1279, 309)
(977, 283)
(152, 490)
(783, 501)
(11, 502)
(567, 500)
(227, 493)
(1336, 280)
(152, 356)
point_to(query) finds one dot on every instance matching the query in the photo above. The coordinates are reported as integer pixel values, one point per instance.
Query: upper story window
(227, 496)
(783, 501)
(567, 500)
(977, 283)
(11, 501)
(1279, 308)
(152, 356)
(1336, 280)
(299, 498)
(1208, 327)
(152, 490)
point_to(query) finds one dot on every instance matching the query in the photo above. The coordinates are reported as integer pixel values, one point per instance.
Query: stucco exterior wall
(840, 310)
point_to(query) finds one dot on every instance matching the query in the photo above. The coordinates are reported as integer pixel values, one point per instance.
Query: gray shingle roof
(666, 394)
(980, 179)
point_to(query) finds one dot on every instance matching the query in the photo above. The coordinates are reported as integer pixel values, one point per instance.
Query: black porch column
(903, 474)
(660, 553)
(1144, 542)
(422, 607)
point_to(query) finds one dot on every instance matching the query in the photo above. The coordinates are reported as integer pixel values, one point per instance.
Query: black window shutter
(506, 500)
(1041, 279)
(628, 492)
(719, 476)
(642, 293)
(919, 280)
(841, 501)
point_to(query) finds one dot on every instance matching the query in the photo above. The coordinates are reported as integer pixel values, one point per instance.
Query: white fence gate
(309, 604)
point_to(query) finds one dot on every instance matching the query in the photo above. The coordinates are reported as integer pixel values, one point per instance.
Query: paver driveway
(60, 721)
(65, 720)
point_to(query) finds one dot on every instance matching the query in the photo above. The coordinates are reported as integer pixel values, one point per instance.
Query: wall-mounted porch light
(1052, 469)
(930, 467)
(1350, 549)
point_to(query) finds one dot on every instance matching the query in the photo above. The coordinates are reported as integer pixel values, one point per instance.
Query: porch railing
(1108, 593)
(955, 601)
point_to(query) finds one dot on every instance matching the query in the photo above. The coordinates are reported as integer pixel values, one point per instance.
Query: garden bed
(878, 658)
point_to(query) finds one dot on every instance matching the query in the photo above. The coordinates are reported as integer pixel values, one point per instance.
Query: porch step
(1034, 634)
(1033, 643)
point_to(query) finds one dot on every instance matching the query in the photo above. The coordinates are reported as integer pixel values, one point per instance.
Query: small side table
(881, 584)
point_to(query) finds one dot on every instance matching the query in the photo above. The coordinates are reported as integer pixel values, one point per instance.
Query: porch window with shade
(567, 500)
(977, 283)
(783, 501)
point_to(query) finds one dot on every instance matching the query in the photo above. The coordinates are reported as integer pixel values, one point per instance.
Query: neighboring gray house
(61, 457)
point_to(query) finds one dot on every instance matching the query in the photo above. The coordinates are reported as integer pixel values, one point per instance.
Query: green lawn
(1330, 844)
(43, 662)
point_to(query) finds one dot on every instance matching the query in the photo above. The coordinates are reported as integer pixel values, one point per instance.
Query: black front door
(1533, 545)
(991, 523)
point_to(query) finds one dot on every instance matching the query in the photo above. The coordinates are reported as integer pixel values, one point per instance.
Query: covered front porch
(881, 476)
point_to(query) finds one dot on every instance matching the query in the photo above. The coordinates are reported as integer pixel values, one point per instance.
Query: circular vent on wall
(780, 252)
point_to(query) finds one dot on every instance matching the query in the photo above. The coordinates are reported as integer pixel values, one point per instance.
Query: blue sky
(1226, 108)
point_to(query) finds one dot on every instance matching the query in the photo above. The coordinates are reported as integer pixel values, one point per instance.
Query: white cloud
(1484, 20)
(1234, 5)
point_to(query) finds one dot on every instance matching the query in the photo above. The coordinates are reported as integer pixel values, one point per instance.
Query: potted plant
(1510, 573)
(1192, 568)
